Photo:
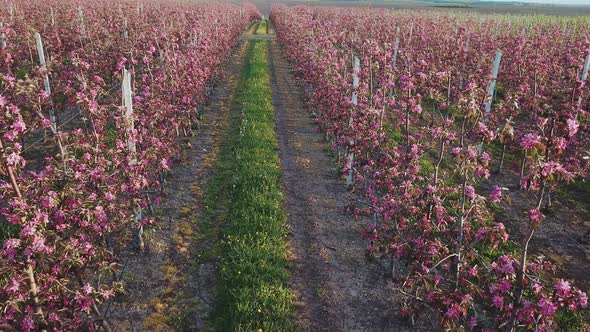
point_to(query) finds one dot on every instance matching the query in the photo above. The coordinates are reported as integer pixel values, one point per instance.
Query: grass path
(253, 275)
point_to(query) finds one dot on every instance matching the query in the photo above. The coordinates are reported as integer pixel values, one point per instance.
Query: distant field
(485, 8)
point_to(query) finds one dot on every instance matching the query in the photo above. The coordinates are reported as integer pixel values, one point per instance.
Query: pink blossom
(50, 201)
(19, 125)
(13, 286)
(44, 95)
(582, 299)
(498, 301)
(46, 122)
(39, 245)
(553, 167)
(535, 216)
(472, 322)
(560, 143)
(530, 141)
(109, 197)
(87, 289)
(27, 231)
(547, 308)
(506, 268)
(504, 265)
(27, 324)
(11, 135)
(121, 63)
(563, 288)
(165, 164)
(482, 172)
(496, 194)
(437, 131)
(504, 286)
(470, 192)
(13, 159)
(53, 317)
(107, 293)
(572, 126)
(3, 101)
(9, 247)
(453, 312)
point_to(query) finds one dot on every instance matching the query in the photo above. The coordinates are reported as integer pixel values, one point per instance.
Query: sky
(564, 2)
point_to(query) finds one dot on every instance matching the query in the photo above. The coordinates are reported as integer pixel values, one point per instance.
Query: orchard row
(422, 108)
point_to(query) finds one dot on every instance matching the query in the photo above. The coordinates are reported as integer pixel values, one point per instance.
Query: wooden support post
(492, 85)
(81, 18)
(138, 219)
(490, 94)
(42, 62)
(52, 14)
(356, 67)
(395, 50)
(128, 116)
(2, 36)
(125, 33)
(584, 78)
(585, 69)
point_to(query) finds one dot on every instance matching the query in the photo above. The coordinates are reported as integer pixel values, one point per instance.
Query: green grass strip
(253, 270)
(261, 29)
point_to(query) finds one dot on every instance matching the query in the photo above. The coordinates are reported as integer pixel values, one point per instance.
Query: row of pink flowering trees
(425, 126)
(66, 197)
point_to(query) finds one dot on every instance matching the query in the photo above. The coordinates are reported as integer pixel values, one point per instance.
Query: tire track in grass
(253, 275)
